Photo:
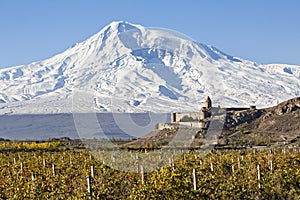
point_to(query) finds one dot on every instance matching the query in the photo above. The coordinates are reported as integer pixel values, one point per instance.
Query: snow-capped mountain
(130, 68)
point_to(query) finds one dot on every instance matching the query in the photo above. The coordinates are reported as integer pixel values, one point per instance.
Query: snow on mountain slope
(130, 68)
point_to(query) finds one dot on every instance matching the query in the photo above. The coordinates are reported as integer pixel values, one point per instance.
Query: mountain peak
(121, 26)
(142, 69)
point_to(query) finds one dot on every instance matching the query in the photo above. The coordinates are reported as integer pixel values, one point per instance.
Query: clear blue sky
(265, 31)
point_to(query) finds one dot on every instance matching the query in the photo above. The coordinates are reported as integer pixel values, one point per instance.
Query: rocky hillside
(283, 118)
(280, 123)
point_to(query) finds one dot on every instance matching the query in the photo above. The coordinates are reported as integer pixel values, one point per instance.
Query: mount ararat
(130, 68)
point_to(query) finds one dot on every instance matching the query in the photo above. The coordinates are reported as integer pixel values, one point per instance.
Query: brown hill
(269, 125)
(278, 124)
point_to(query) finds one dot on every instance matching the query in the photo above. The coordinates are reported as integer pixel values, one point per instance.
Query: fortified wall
(196, 119)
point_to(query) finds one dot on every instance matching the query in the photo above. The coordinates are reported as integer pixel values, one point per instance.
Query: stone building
(199, 119)
(204, 113)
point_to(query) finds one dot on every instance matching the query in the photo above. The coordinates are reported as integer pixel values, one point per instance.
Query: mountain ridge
(130, 68)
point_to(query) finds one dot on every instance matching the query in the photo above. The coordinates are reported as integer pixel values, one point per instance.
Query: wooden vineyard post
(32, 181)
(271, 165)
(142, 175)
(92, 171)
(21, 167)
(131, 154)
(258, 175)
(138, 167)
(232, 166)
(160, 157)
(211, 166)
(172, 163)
(89, 187)
(194, 179)
(137, 164)
(53, 169)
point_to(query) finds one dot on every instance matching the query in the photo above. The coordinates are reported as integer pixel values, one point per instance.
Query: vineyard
(77, 174)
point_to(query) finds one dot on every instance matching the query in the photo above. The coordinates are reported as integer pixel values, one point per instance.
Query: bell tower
(208, 103)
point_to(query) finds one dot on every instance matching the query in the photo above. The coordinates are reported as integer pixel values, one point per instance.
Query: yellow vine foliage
(29, 145)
